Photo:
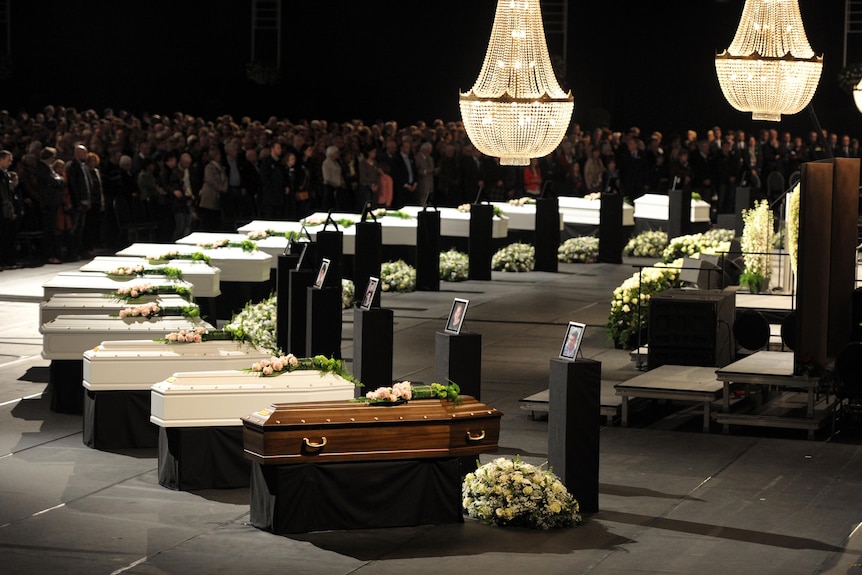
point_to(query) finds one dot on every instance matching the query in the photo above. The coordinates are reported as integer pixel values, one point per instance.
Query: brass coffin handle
(311, 445)
(480, 437)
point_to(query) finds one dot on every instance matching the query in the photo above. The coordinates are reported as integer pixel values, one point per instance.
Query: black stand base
(119, 420)
(372, 346)
(611, 229)
(299, 282)
(547, 234)
(678, 213)
(192, 458)
(481, 245)
(428, 251)
(574, 419)
(362, 495)
(66, 377)
(459, 358)
(368, 258)
(323, 322)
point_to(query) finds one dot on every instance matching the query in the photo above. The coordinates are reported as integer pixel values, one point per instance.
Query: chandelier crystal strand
(516, 110)
(769, 69)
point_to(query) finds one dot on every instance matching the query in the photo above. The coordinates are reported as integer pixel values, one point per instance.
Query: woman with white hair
(333, 180)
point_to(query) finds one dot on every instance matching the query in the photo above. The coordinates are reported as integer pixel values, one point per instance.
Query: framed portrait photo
(373, 282)
(456, 315)
(572, 341)
(321, 274)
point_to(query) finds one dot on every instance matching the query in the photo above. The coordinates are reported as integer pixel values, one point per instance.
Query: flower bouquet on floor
(509, 492)
(397, 276)
(517, 257)
(454, 266)
(580, 250)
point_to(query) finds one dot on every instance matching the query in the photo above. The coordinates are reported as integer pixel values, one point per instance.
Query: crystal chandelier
(769, 68)
(516, 110)
(857, 95)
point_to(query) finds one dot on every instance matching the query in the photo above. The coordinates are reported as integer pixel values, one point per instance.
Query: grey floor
(672, 498)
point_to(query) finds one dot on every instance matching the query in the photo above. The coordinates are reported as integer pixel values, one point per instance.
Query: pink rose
(256, 367)
(277, 365)
(267, 370)
(198, 338)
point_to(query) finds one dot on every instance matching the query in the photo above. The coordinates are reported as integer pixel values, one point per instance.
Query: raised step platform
(610, 403)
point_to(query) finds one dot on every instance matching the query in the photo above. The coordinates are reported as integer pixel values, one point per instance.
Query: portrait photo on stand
(456, 315)
(572, 342)
(321, 275)
(369, 293)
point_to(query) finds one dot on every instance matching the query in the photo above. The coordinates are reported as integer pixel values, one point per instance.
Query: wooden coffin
(204, 277)
(138, 364)
(353, 431)
(100, 304)
(222, 398)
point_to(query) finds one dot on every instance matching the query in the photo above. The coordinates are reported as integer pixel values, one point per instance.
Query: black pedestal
(323, 322)
(368, 258)
(574, 419)
(192, 458)
(611, 229)
(372, 346)
(741, 201)
(679, 213)
(298, 283)
(547, 234)
(119, 420)
(286, 263)
(428, 251)
(459, 358)
(481, 247)
(362, 495)
(330, 245)
(66, 377)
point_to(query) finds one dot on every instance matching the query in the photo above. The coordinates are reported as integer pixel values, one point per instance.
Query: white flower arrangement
(793, 226)
(498, 211)
(689, 245)
(583, 250)
(647, 244)
(397, 276)
(756, 245)
(520, 202)
(256, 325)
(517, 257)
(593, 196)
(126, 271)
(454, 266)
(511, 492)
(630, 303)
(347, 292)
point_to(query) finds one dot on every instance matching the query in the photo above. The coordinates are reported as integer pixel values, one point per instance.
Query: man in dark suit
(403, 174)
(81, 187)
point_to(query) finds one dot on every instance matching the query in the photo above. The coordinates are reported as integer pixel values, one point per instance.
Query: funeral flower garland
(498, 211)
(510, 492)
(277, 365)
(245, 245)
(175, 255)
(454, 266)
(584, 250)
(517, 257)
(138, 290)
(129, 272)
(256, 325)
(405, 391)
(711, 242)
(153, 309)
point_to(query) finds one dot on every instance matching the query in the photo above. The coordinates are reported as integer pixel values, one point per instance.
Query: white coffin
(395, 231)
(521, 217)
(99, 304)
(457, 224)
(82, 282)
(656, 207)
(203, 277)
(138, 364)
(235, 264)
(218, 398)
(581, 211)
(273, 246)
(69, 336)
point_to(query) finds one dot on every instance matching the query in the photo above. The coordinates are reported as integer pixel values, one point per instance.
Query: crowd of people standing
(75, 180)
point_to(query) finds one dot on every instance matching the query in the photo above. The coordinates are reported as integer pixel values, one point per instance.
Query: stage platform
(671, 498)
